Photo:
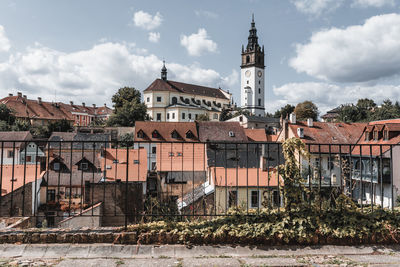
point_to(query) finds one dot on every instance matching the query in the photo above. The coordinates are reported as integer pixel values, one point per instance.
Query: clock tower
(252, 75)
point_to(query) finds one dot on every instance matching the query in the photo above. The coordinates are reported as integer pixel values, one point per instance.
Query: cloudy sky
(327, 51)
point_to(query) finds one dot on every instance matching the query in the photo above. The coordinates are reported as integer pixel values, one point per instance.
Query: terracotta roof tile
(259, 135)
(243, 177)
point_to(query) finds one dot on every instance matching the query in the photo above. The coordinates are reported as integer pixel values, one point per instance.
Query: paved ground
(72, 255)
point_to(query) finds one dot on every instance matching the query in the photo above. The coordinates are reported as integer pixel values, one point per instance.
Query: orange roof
(32, 109)
(259, 135)
(384, 121)
(7, 183)
(329, 133)
(243, 177)
(115, 163)
(181, 157)
(165, 130)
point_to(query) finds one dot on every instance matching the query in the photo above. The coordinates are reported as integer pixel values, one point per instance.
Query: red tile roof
(259, 135)
(15, 136)
(329, 133)
(217, 131)
(165, 130)
(243, 177)
(192, 89)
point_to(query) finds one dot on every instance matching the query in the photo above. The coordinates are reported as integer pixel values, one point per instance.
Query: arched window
(259, 101)
(174, 100)
(247, 59)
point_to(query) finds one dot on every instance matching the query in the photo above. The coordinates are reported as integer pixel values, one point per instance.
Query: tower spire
(253, 39)
(164, 72)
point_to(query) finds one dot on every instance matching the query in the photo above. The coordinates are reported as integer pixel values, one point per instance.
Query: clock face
(259, 73)
(247, 73)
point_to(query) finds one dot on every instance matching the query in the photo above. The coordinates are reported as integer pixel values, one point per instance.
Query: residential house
(171, 101)
(327, 142)
(331, 115)
(374, 164)
(39, 112)
(17, 146)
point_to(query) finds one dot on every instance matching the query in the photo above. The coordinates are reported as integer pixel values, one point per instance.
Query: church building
(172, 101)
(252, 75)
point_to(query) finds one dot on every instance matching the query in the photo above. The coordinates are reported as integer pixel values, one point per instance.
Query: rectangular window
(51, 195)
(158, 98)
(148, 99)
(196, 116)
(167, 116)
(56, 166)
(173, 115)
(331, 164)
(386, 135)
(190, 116)
(366, 136)
(376, 135)
(232, 198)
(183, 116)
(153, 150)
(10, 154)
(153, 165)
(84, 166)
(159, 116)
(254, 199)
(215, 116)
(135, 161)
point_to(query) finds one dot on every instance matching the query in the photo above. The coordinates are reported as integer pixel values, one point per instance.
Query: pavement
(74, 255)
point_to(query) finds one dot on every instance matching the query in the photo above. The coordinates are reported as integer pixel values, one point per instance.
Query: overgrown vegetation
(331, 221)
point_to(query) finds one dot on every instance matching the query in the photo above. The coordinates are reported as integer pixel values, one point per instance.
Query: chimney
(71, 103)
(39, 100)
(10, 94)
(83, 104)
(19, 94)
(310, 122)
(300, 132)
(292, 118)
(94, 105)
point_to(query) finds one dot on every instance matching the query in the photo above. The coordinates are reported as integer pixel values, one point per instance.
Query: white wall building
(181, 102)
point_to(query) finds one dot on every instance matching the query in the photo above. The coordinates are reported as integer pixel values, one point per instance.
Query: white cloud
(316, 7)
(354, 54)
(154, 37)
(4, 42)
(198, 43)
(206, 14)
(93, 75)
(328, 96)
(372, 3)
(146, 21)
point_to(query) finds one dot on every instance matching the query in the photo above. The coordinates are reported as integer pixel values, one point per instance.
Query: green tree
(350, 113)
(6, 114)
(203, 117)
(225, 115)
(127, 108)
(386, 111)
(284, 111)
(126, 140)
(366, 104)
(306, 110)
(59, 126)
(21, 125)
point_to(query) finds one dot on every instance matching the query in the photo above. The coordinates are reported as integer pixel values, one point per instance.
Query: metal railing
(59, 183)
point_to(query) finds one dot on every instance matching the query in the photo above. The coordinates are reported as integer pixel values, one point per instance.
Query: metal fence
(64, 183)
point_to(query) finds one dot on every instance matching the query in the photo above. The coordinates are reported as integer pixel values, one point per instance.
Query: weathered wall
(90, 217)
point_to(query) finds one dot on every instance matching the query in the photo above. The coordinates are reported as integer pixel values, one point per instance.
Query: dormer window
(155, 134)
(231, 134)
(175, 134)
(140, 134)
(366, 136)
(385, 135)
(189, 135)
(375, 135)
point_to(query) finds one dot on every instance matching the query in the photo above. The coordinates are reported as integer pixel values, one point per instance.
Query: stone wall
(90, 217)
(17, 203)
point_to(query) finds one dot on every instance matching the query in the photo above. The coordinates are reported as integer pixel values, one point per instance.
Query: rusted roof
(165, 130)
(215, 131)
(329, 133)
(192, 89)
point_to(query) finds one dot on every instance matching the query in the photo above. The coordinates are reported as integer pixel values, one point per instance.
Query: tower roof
(164, 72)
(253, 39)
